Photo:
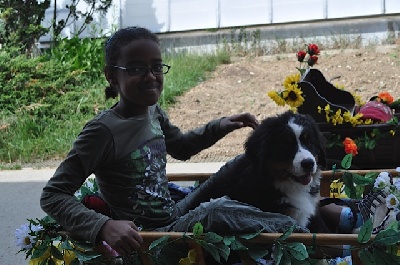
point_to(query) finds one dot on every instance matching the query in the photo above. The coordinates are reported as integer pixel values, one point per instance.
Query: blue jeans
(227, 217)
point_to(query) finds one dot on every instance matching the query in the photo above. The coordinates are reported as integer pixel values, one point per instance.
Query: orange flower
(385, 97)
(350, 146)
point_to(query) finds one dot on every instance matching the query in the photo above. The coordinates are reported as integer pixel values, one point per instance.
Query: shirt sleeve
(184, 145)
(58, 199)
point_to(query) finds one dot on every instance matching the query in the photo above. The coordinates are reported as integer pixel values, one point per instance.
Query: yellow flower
(392, 132)
(190, 259)
(277, 98)
(338, 86)
(40, 259)
(292, 96)
(337, 117)
(69, 256)
(337, 189)
(357, 99)
(291, 80)
(368, 121)
(347, 116)
(327, 109)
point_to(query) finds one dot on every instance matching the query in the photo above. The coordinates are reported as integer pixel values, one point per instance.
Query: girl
(125, 147)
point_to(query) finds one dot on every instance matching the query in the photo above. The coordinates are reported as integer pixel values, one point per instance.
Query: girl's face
(138, 91)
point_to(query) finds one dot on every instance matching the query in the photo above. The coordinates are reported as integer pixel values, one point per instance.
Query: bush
(47, 100)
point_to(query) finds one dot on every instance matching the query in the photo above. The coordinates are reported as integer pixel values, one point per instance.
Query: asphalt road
(20, 193)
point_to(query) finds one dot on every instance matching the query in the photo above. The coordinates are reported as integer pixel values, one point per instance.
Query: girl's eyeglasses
(157, 69)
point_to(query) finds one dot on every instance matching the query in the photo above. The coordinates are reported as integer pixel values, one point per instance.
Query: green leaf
(387, 237)
(365, 232)
(297, 250)
(66, 245)
(228, 240)
(286, 234)
(237, 245)
(224, 251)
(83, 256)
(382, 257)
(212, 237)
(39, 251)
(251, 235)
(56, 253)
(159, 243)
(278, 254)
(361, 180)
(366, 257)
(346, 161)
(213, 250)
(349, 185)
(286, 258)
(83, 245)
(198, 229)
(257, 252)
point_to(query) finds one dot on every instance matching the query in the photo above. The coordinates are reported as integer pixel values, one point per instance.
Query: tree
(22, 22)
(94, 6)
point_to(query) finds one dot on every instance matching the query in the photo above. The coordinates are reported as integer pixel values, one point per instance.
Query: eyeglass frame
(147, 68)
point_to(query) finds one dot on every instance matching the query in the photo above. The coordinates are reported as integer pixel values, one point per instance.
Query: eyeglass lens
(155, 69)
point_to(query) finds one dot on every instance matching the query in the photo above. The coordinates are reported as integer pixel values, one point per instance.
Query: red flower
(313, 49)
(312, 60)
(350, 146)
(301, 55)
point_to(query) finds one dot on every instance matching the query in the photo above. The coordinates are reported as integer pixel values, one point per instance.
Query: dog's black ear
(257, 145)
(253, 145)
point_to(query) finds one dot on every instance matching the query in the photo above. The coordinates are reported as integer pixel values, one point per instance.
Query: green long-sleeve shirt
(128, 159)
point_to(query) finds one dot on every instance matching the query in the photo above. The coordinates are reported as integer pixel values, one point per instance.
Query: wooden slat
(320, 239)
(329, 174)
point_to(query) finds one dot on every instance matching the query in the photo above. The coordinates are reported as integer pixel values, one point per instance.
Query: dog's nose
(307, 165)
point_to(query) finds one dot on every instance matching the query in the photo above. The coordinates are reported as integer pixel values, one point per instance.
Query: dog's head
(288, 145)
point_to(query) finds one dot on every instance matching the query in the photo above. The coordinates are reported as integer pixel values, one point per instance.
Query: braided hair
(116, 42)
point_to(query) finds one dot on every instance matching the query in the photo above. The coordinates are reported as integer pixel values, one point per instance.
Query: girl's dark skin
(136, 94)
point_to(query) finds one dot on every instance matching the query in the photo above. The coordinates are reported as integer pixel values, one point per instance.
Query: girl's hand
(231, 123)
(122, 236)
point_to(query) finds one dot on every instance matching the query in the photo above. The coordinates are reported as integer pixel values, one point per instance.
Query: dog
(287, 153)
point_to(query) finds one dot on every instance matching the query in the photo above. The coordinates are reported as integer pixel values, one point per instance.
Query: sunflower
(291, 80)
(275, 96)
(292, 96)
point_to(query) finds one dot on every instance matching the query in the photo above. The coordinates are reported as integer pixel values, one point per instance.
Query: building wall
(174, 16)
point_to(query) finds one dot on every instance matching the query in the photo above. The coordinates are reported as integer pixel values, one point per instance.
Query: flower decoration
(44, 242)
(385, 98)
(359, 114)
(350, 147)
(292, 94)
(26, 235)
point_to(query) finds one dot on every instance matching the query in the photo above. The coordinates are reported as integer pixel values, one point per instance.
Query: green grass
(43, 117)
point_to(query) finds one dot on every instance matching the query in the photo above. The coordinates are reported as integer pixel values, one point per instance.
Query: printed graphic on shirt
(150, 196)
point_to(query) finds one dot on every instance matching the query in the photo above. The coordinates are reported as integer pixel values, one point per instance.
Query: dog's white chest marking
(304, 204)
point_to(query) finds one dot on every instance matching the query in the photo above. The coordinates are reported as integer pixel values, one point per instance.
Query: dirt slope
(242, 86)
